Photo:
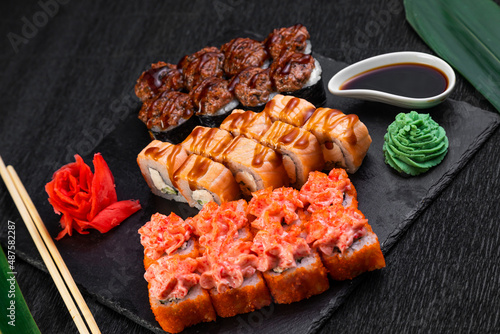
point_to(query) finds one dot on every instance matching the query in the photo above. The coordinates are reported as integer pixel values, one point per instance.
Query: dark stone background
(79, 66)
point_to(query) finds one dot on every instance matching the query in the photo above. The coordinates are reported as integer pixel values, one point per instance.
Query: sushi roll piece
(158, 162)
(201, 180)
(169, 116)
(208, 142)
(241, 53)
(345, 240)
(175, 295)
(336, 131)
(205, 63)
(247, 123)
(289, 109)
(159, 78)
(230, 276)
(295, 38)
(253, 87)
(213, 101)
(254, 166)
(167, 236)
(299, 75)
(292, 270)
(300, 150)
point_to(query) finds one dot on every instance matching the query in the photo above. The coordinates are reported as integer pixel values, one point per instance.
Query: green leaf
(16, 317)
(465, 33)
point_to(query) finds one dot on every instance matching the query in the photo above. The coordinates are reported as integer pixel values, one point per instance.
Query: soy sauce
(404, 79)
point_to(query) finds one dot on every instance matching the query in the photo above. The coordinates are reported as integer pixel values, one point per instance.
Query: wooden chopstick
(36, 227)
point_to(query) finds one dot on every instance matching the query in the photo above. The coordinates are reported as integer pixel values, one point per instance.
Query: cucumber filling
(160, 184)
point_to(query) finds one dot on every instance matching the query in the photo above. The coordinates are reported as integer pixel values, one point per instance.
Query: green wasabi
(414, 143)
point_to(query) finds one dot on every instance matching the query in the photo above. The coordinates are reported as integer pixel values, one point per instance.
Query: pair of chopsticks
(48, 250)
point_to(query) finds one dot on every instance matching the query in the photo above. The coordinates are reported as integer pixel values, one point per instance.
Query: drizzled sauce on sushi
(405, 79)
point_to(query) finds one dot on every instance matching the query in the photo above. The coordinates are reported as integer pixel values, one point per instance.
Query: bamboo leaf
(465, 33)
(16, 317)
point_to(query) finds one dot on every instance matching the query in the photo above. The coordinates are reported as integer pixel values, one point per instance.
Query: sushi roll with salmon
(175, 295)
(167, 236)
(344, 138)
(169, 116)
(247, 123)
(300, 150)
(254, 166)
(208, 142)
(158, 162)
(159, 78)
(201, 180)
(289, 109)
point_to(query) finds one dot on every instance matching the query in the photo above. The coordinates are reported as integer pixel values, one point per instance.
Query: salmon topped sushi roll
(347, 132)
(201, 180)
(254, 166)
(176, 297)
(158, 162)
(167, 236)
(289, 109)
(208, 142)
(300, 150)
(247, 123)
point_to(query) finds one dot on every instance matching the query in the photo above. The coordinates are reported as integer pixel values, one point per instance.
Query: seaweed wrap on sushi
(299, 74)
(295, 38)
(253, 87)
(159, 78)
(241, 53)
(205, 63)
(213, 101)
(169, 116)
(158, 162)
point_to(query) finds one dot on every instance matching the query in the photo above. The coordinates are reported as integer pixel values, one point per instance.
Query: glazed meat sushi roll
(300, 150)
(169, 116)
(158, 162)
(254, 166)
(295, 38)
(159, 78)
(208, 142)
(167, 236)
(340, 133)
(253, 87)
(289, 109)
(200, 65)
(176, 297)
(241, 53)
(298, 74)
(247, 123)
(213, 101)
(201, 180)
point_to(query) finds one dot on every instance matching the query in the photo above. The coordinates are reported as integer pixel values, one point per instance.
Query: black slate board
(110, 267)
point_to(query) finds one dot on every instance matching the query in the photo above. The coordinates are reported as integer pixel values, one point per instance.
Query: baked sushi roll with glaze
(254, 166)
(241, 53)
(295, 38)
(205, 63)
(230, 275)
(253, 87)
(213, 101)
(333, 128)
(169, 116)
(176, 298)
(209, 142)
(167, 236)
(159, 78)
(201, 180)
(321, 190)
(299, 75)
(247, 123)
(288, 109)
(158, 162)
(346, 242)
(300, 150)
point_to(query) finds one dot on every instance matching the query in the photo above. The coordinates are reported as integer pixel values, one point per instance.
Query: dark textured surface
(70, 85)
